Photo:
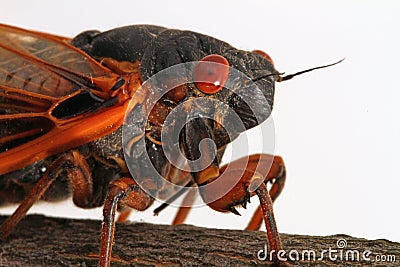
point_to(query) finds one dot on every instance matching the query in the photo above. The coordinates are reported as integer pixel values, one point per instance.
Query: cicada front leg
(276, 176)
(272, 169)
(241, 184)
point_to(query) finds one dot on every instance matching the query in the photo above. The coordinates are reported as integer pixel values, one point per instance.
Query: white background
(337, 129)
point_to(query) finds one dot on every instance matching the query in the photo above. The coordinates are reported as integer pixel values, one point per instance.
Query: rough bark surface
(44, 241)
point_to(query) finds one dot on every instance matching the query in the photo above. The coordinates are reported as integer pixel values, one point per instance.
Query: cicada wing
(39, 71)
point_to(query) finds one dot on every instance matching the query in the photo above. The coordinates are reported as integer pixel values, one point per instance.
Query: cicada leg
(238, 185)
(125, 192)
(277, 177)
(74, 164)
(124, 215)
(187, 202)
(264, 163)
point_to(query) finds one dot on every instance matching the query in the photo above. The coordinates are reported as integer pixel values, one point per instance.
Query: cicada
(63, 103)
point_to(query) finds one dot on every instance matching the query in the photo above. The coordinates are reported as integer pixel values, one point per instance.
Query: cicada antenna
(290, 76)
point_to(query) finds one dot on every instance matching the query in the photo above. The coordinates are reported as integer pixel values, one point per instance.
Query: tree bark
(44, 241)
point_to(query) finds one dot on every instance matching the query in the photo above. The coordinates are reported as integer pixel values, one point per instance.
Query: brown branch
(43, 241)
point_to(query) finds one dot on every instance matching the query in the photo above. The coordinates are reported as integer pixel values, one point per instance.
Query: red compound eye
(210, 77)
(264, 55)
